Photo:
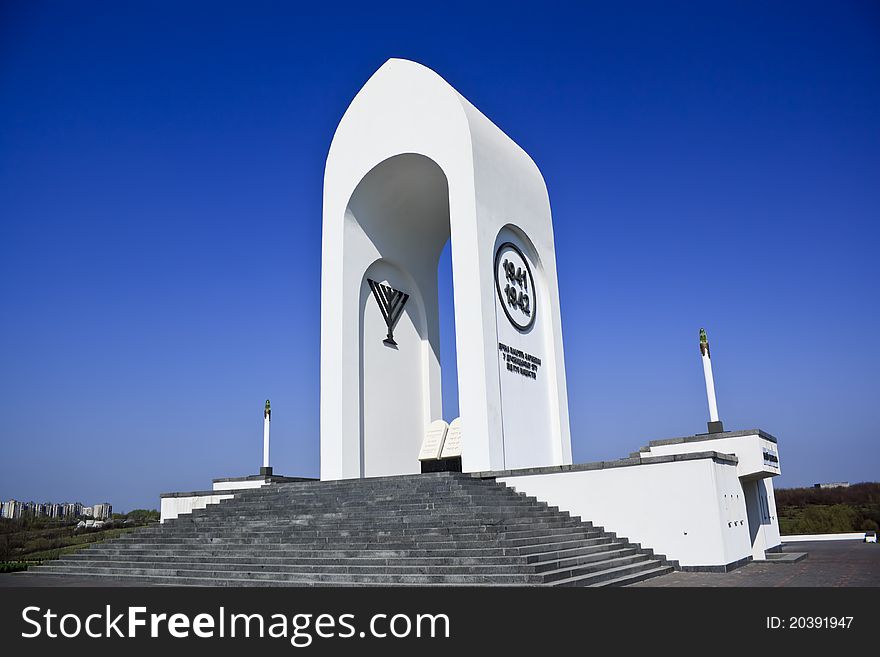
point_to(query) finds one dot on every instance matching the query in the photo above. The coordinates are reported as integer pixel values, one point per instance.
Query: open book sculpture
(432, 445)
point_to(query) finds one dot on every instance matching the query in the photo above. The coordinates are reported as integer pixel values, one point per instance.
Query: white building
(12, 509)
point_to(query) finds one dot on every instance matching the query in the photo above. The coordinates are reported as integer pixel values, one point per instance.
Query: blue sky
(160, 219)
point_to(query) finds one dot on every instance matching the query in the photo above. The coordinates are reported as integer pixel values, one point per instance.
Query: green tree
(827, 520)
(869, 525)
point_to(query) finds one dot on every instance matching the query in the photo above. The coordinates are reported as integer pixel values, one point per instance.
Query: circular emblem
(515, 285)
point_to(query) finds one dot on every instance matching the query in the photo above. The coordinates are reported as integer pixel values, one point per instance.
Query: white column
(707, 373)
(267, 418)
(710, 390)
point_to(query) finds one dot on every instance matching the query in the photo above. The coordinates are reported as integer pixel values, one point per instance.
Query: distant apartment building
(833, 484)
(14, 509)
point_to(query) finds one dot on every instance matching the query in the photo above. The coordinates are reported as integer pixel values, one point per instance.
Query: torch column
(267, 419)
(715, 425)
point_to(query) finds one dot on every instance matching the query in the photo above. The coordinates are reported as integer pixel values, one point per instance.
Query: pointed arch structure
(412, 165)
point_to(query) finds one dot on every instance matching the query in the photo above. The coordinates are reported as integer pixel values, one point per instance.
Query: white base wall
(755, 471)
(691, 511)
(750, 448)
(239, 485)
(172, 507)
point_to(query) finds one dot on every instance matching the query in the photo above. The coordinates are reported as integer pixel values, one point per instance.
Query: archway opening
(448, 354)
(398, 219)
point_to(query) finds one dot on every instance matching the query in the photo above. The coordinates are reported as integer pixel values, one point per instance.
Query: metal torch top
(704, 344)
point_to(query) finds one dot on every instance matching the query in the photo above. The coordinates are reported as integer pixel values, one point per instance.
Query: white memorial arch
(413, 165)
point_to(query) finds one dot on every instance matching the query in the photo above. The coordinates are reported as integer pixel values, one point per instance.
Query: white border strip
(852, 536)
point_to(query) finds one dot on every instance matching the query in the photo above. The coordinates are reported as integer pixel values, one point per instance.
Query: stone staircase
(432, 529)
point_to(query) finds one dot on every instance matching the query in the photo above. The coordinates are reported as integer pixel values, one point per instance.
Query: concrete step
(517, 530)
(550, 546)
(405, 502)
(411, 539)
(175, 580)
(269, 562)
(600, 566)
(331, 578)
(279, 549)
(637, 576)
(537, 552)
(234, 523)
(786, 557)
(553, 569)
(580, 560)
(402, 566)
(622, 574)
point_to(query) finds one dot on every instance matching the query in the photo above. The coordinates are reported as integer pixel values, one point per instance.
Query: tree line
(854, 508)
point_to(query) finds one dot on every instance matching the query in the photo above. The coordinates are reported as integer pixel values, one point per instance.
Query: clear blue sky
(160, 222)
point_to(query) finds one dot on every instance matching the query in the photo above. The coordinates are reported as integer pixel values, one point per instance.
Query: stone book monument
(441, 449)
(435, 438)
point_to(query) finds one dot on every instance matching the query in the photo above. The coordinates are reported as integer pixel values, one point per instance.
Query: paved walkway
(830, 563)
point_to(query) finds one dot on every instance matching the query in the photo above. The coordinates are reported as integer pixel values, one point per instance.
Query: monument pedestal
(442, 465)
(174, 505)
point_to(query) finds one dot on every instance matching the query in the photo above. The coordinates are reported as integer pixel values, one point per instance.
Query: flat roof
(718, 457)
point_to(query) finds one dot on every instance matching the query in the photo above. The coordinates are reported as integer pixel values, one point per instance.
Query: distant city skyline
(13, 509)
(161, 174)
